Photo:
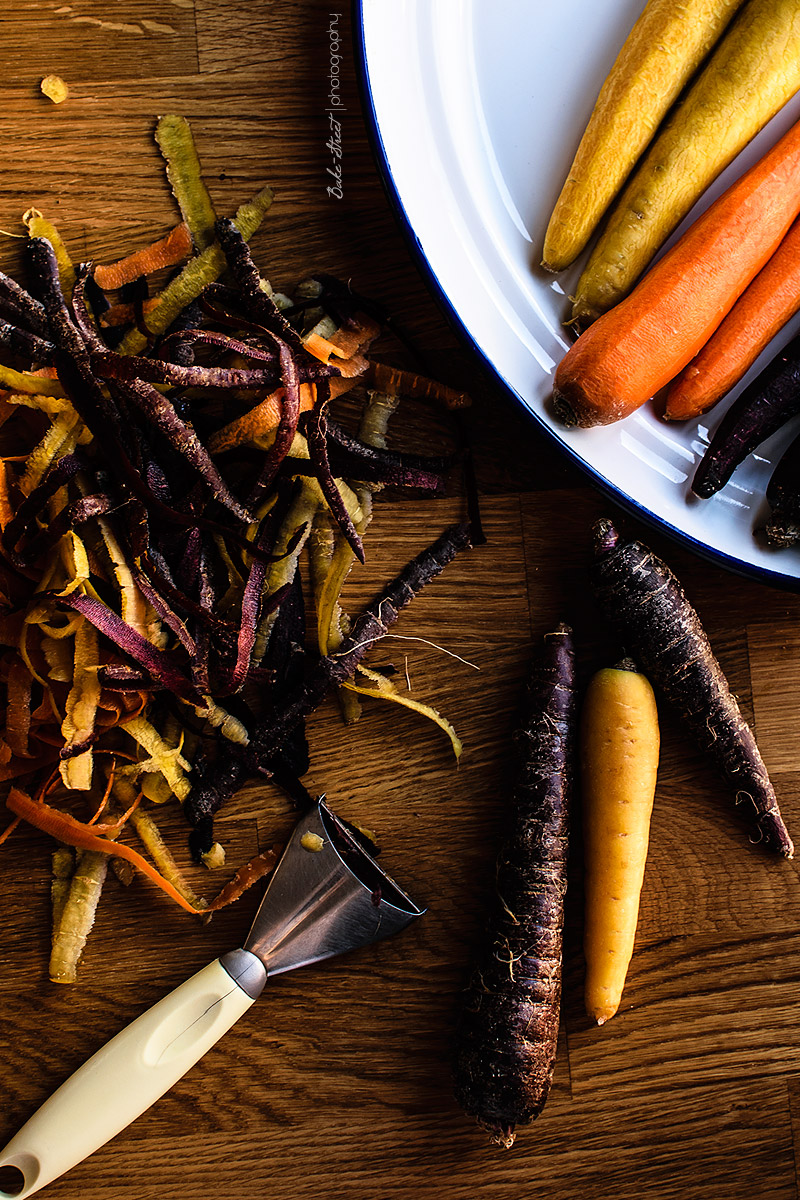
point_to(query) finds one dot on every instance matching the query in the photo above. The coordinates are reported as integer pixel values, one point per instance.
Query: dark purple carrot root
(783, 497)
(507, 1030)
(642, 600)
(765, 406)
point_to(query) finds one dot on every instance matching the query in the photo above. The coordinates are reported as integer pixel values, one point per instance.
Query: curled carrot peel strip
(407, 383)
(176, 143)
(166, 252)
(75, 833)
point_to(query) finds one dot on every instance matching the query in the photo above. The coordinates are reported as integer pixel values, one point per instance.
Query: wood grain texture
(337, 1083)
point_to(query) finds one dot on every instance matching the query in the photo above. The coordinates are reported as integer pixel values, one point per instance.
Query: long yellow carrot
(662, 50)
(750, 75)
(619, 762)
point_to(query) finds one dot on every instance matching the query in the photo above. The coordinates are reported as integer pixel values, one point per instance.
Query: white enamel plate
(475, 109)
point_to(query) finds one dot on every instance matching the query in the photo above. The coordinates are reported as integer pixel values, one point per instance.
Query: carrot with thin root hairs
(173, 248)
(639, 346)
(758, 315)
(508, 1026)
(643, 601)
(619, 763)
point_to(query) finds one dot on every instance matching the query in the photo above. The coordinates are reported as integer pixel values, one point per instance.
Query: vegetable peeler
(326, 896)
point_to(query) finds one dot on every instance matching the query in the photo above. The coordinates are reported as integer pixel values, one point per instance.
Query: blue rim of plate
(718, 558)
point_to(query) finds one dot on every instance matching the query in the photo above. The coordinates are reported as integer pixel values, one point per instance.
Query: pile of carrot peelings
(175, 476)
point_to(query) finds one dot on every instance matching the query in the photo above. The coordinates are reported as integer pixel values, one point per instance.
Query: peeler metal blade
(326, 896)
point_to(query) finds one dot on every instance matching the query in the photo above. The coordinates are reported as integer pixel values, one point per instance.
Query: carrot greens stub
(508, 1025)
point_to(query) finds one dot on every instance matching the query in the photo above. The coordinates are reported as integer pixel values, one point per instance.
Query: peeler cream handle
(130, 1072)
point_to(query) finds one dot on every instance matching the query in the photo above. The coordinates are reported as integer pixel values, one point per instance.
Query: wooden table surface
(337, 1083)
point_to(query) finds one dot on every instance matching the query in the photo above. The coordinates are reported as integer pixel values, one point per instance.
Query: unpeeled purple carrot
(783, 497)
(643, 601)
(765, 406)
(508, 1025)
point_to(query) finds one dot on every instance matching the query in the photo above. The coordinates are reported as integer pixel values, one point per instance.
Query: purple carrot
(771, 400)
(643, 601)
(507, 1030)
(783, 497)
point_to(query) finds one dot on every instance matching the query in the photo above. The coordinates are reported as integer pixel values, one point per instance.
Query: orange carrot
(635, 349)
(166, 252)
(761, 311)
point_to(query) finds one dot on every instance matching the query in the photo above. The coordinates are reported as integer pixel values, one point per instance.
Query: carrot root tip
(563, 410)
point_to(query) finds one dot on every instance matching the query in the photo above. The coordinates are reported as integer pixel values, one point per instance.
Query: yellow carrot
(665, 46)
(750, 75)
(619, 762)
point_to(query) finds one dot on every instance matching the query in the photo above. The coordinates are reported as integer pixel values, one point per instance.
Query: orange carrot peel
(168, 251)
(77, 833)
